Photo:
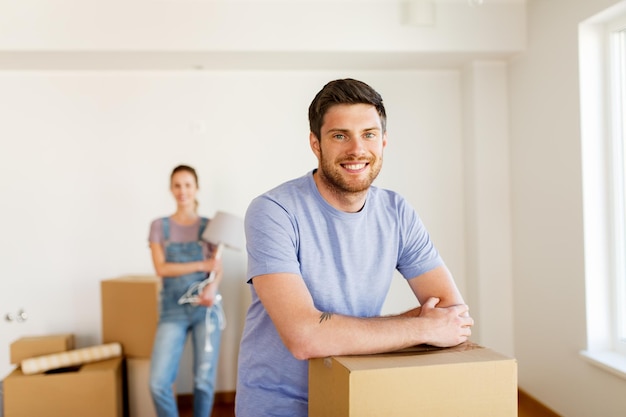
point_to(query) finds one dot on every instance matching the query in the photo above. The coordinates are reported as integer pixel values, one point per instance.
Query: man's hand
(446, 326)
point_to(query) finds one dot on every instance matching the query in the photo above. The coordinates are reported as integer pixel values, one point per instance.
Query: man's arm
(308, 332)
(438, 283)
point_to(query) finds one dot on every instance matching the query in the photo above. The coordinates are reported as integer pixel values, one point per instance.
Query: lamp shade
(225, 229)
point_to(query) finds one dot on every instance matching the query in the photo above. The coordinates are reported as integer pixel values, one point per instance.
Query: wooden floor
(528, 406)
(224, 407)
(224, 410)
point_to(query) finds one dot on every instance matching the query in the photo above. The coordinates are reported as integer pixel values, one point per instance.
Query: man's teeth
(355, 166)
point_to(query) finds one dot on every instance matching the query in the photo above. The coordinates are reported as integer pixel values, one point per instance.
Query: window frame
(615, 36)
(602, 43)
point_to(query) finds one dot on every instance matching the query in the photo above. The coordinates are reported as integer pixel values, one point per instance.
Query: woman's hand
(210, 265)
(207, 297)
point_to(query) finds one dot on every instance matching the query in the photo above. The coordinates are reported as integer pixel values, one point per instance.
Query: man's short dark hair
(344, 91)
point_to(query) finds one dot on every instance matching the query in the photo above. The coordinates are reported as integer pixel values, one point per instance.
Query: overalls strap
(203, 223)
(166, 228)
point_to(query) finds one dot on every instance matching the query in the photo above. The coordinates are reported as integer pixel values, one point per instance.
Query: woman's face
(184, 188)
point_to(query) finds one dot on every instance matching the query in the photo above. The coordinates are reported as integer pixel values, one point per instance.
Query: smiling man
(322, 250)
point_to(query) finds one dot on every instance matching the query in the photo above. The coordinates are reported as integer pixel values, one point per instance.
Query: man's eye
(370, 135)
(339, 136)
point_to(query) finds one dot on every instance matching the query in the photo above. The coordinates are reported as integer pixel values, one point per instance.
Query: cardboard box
(93, 389)
(139, 399)
(467, 380)
(130, 313)
(29, 347)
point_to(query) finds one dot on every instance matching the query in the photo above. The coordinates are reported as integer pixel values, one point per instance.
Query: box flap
(422, 356)
(134, 278)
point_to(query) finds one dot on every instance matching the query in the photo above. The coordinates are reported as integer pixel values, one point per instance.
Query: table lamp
(224, 229)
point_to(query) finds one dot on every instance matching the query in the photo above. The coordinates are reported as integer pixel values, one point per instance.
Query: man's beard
(336, 180)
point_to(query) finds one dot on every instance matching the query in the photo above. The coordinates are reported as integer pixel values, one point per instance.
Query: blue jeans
(168, 348)
(176, 321)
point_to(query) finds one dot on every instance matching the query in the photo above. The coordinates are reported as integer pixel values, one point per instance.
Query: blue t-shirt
(347, 261)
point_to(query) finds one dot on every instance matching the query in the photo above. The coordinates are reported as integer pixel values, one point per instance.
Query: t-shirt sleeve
(271, 239)
(156, 231)
(418, 254)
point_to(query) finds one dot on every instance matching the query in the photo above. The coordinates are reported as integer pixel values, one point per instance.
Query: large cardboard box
(467, 380)
(31, 346)
(93, 389)
(139, 399)
(130, 313)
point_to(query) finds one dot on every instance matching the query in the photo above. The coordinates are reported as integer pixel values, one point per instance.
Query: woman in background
(184, 260)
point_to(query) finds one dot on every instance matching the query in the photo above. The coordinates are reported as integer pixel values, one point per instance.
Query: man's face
(350, 151)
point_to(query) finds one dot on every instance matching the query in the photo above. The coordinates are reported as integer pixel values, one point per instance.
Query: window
(617, 63)
(602, 42)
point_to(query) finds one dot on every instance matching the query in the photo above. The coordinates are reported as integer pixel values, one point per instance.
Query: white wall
(488, 203)
(549, 281)
(86, 153)
(86, 158)
(258, 25)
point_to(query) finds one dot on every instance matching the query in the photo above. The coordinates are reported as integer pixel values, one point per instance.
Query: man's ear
(315, 144)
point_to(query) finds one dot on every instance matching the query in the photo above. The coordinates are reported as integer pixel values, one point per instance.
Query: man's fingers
(431, 302)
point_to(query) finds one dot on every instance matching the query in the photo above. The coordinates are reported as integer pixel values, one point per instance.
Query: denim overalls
(205, 325)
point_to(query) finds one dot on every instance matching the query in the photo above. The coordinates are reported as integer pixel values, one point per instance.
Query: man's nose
(356, 146)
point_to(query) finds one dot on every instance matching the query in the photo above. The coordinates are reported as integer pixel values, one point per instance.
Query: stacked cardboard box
(93, 389)
(31, 346)
(130, 310)
(468, 380)
(130, 314)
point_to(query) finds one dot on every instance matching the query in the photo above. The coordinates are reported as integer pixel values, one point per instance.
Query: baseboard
(532, 406)
(221, 397)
